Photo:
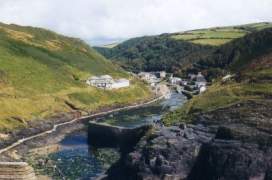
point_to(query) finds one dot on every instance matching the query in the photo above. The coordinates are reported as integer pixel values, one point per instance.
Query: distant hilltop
(175, 52)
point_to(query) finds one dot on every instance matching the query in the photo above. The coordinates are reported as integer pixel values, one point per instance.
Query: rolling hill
(249, 59)
(43, 73)
(177, 51)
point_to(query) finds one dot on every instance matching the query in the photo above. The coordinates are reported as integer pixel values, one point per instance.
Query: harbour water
(77, 159)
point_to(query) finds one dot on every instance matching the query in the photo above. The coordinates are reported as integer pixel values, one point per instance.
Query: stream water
(79, 160)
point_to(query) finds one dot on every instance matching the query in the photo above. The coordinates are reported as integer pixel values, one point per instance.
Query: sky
(106, 21)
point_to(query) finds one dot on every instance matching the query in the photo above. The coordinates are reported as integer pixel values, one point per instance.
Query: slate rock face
(232, 143)
(232, 160)
(168, 153)
(242, 147)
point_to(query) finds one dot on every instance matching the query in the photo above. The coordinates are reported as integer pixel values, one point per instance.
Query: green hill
(249, 59)
(177, 51)
(42, 72)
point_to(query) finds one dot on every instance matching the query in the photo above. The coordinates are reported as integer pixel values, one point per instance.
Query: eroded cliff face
(169, 153)
(232, 143)
(223, 159)
(242, 147)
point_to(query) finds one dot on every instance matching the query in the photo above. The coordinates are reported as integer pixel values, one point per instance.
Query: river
(77, 159)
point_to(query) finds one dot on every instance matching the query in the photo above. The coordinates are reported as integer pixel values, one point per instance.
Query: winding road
(20, 141)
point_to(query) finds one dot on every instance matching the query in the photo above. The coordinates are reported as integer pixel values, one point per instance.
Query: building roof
(106, 77)
(200, 78)
(93, 77)
(143, 73)
(123, 79)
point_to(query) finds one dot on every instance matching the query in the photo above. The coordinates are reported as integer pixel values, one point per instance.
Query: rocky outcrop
(232, 160)
(231, 143)
(242, 147)
(167, 153)
(16, 170)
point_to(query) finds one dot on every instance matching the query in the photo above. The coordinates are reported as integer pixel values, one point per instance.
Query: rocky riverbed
(232, 143)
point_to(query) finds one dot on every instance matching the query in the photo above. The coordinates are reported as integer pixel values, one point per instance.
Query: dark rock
(268, 174)
(231, 161)
(164, 156)
(183, 126)
(231, 143)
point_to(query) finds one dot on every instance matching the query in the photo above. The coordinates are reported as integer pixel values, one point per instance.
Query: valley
(51, 86)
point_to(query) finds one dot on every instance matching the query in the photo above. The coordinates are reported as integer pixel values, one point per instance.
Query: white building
(184, 82)
(104, 81)
(120, 83)
(162, 74)
(227, 78)
(149, 78)
(107, 82)
(202, 89)
(175, 80)
(192, 76)
(145, 76)
(200, 80)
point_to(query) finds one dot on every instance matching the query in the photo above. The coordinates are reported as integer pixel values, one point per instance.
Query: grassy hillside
(219, 35)
(250, 60)
(175, 52)
(40, 71)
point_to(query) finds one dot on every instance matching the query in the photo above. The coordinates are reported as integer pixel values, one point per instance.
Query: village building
(149, 78)
(162, 74)
(200, 80)
(202, 89)
(107, 82)
(120, 83)
(227, 78)
(192, 77)
(184, 82)
(104, 81)
(175, 80)
(145, 76)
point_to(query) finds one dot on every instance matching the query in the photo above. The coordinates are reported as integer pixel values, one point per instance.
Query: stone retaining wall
(105, 135)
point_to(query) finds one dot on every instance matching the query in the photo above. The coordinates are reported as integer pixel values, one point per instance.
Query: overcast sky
(104, 21)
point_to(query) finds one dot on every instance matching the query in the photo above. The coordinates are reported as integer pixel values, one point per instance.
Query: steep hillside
(236, 54)
(175, 52)
(43, 73)
(250, 61)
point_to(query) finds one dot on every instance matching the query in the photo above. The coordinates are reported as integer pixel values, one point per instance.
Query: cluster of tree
(154, 53)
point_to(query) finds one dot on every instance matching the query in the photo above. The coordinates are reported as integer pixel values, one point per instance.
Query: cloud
(102, 20)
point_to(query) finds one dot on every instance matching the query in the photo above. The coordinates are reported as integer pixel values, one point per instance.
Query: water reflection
(144, 115)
